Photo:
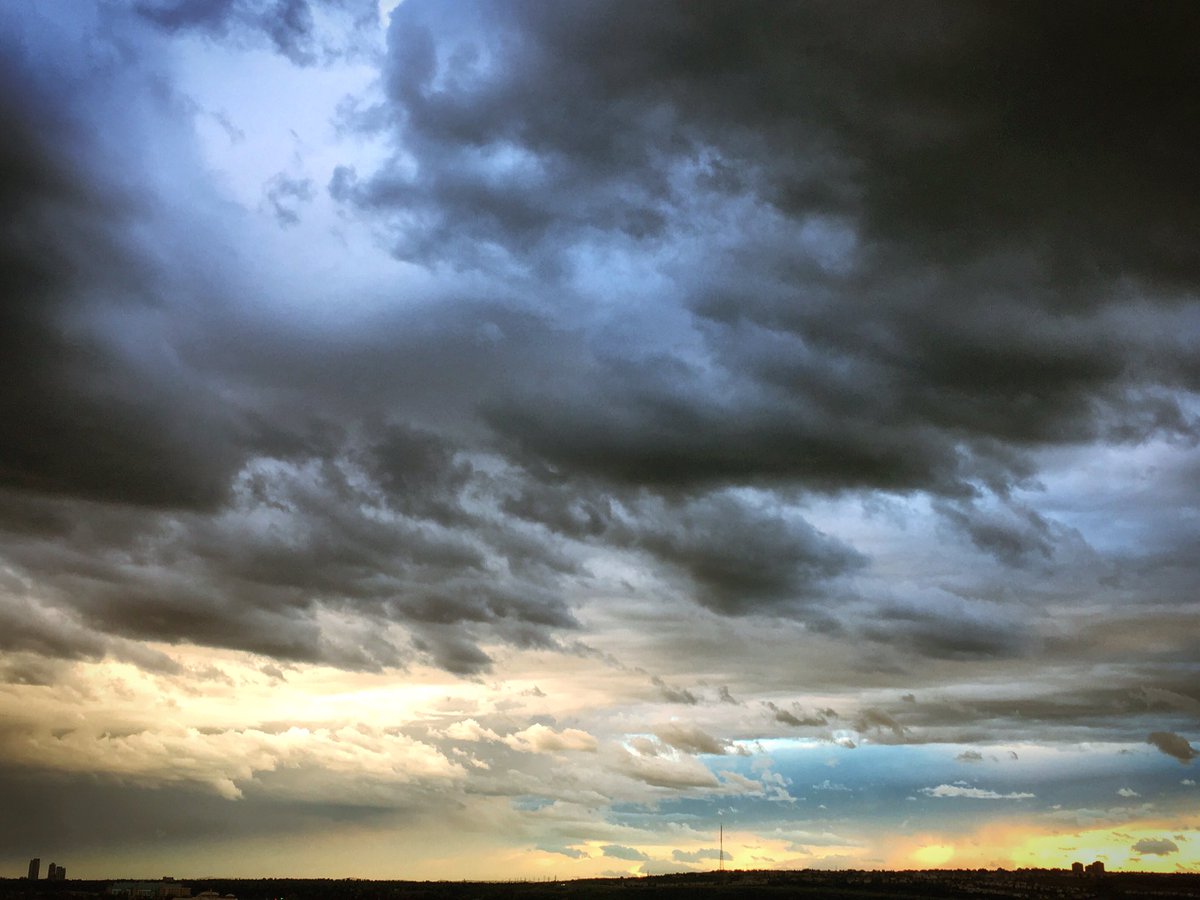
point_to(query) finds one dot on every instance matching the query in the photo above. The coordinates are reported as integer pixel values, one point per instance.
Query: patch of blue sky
(894, 782)
(531, 802)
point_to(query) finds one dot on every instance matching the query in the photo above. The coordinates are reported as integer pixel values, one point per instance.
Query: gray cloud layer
(683, 287)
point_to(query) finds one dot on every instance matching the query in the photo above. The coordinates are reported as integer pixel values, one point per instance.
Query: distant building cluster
(165, 889)
(149, 890)
(54, 873)
(1092, 870)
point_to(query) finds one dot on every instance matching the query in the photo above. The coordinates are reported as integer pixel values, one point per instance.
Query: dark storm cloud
(958, 130)
(82, 415)
(206, 14)
(118, 393)
(1014, 536)
(418, 471)
(743, 559)
(286, 195)
(672, 694)
(29, 628)
(288, 25)
(574, 509)
(1115, 712)
(740, 556)
(880, 258)
(877, 720)
(949, 194)
(1184, 701)
(691, 739)
(853, 414)
(945, 626)
(330, 539)
(149, 438)
(795, 716)
(58, 810)
(1172, 744)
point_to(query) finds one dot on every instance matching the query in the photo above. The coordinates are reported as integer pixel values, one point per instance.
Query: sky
(519, 439)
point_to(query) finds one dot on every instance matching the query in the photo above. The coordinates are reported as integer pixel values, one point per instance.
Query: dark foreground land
(848, 885)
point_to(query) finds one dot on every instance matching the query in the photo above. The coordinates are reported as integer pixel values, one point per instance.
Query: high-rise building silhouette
(35, 868)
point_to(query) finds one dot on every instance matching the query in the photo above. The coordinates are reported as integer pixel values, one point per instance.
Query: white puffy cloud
(539, 738)
(349, 760)
(680, 772)
(973, 793)
(470, 730)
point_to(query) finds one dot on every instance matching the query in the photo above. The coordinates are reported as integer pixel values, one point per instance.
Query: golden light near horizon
(1172, 845)
(1115, 845)
(933, 856)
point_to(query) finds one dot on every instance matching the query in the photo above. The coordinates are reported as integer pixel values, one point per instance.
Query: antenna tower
(721, 851)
